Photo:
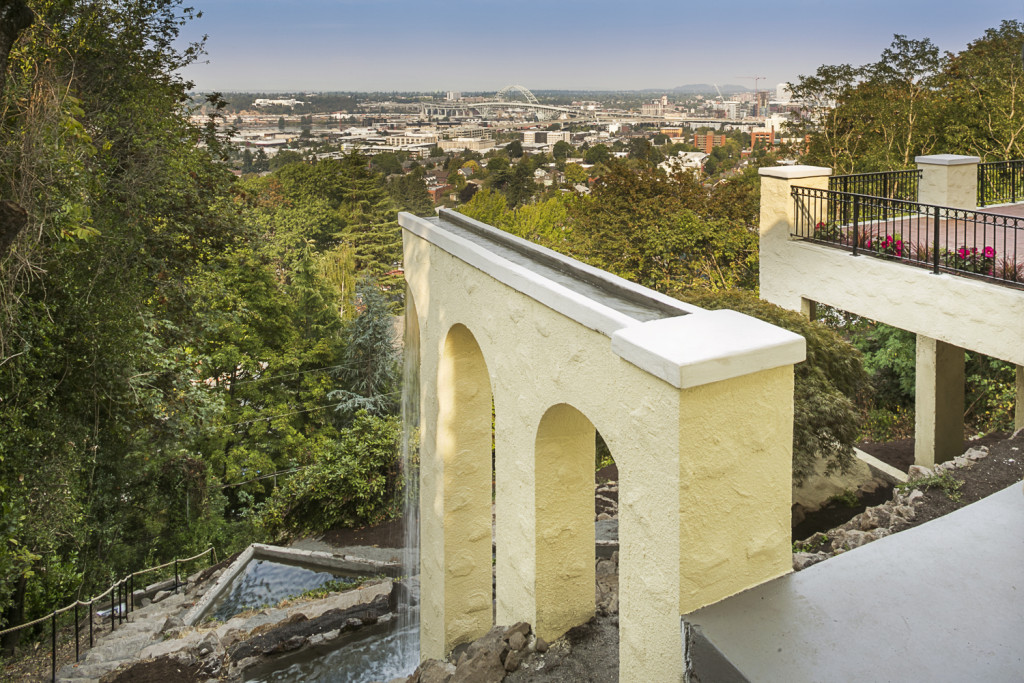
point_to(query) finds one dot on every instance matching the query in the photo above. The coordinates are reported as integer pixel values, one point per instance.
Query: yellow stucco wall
(697, 452)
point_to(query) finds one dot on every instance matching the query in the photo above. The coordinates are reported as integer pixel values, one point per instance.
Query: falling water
(408, 616)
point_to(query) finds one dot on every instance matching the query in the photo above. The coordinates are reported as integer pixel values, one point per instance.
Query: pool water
(373, 653)
(266, 583)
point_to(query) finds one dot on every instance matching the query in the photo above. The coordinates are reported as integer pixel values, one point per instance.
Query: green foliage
(944, 482)
(847, 498)
(355, 482)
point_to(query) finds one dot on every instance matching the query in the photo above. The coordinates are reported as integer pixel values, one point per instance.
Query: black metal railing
(884, 185)
(122, 603)
(1000, 182)
(944, 239)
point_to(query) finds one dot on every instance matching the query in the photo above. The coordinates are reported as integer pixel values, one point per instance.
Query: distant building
(683, 161)
(453, 96)
(783, 93)
(399, 139)
(672, 132)
(261, 102)
(458, 144)
(546, 137)
(653, 108)
(705, 142)
(762, 136)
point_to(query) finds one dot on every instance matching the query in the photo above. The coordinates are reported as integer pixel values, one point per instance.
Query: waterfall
(408, 616)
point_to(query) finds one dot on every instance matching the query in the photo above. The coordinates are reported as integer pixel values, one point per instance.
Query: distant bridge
(503, 99)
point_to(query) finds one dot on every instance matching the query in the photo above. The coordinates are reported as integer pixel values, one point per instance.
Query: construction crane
(755, 79)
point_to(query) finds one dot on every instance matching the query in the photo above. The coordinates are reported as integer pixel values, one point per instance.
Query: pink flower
(962, 252)
(990, 252)
(867, 245)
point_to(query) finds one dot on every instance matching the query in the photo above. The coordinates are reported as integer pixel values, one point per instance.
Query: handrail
(125, 588)
(960, 241)
(1000, 182)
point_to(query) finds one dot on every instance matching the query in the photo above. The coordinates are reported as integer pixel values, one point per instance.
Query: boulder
(541, 645)
(516, 642)
(172, 622)
(804, 560)
(433, 671)
(976, 453)
(484, 667)
(918, 472)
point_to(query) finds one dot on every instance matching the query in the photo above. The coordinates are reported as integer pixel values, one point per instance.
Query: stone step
(117, 648)
(85, 671)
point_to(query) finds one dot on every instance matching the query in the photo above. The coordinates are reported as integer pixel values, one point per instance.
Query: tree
(280, 123)
(514, 149)
(283, 158)
(598, 154)
(561, 150)
(575, 174)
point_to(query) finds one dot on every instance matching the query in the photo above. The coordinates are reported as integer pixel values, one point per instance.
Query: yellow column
(778, 218)
(1018, 410)
(939, 402)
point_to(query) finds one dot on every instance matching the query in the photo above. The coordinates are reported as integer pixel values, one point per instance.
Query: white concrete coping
(946, 159)
(707, 347)
(881, 469)
(794, 172)
(686, 350)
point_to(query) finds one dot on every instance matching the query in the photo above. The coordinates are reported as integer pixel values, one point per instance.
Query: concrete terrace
(943, 601)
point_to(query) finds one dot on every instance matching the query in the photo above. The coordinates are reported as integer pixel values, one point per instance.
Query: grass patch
(945, 482)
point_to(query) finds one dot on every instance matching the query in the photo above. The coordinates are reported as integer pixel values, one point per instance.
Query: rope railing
(123, 591)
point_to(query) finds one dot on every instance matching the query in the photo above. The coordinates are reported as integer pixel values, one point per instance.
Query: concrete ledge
(946, 160)
(794, 172)
(316, 558)
(881, 469)
(707, 347)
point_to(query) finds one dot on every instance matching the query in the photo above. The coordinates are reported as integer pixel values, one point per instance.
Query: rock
(541, 645)
(522, 628)
(161, 596)
(287, 645)
(915, 497)
(917, 472)
(484, 667)
(433, 671)
(145, 602)
(804, 560)
(209, 644)
(905, 511)
(513, 660)
(875, 517)
(976, 453)
(516, 642)
(876, 534)
(172, 622)
(604, 516)
(606, 568)
(961, 461)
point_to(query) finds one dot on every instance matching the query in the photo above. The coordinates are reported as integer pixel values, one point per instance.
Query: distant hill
(709, 88)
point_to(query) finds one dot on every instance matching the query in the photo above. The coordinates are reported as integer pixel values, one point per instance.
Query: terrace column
(1018, 407)
(778, 221)
(939, 402)
(948, 180)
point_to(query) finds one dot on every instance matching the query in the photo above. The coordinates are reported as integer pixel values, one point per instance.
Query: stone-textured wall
(684, 456)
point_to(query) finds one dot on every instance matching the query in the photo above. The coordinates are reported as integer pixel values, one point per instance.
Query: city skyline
(399, 45)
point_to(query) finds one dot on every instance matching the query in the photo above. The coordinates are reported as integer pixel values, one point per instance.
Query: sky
(483, 45)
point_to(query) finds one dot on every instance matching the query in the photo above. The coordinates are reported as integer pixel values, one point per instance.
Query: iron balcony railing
(884, 185)
(944, 239)
(1000, 182)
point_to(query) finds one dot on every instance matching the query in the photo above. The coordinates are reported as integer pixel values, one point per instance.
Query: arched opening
(464, 447)
(564, 460)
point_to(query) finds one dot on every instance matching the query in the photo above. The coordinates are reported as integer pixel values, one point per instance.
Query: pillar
(939, 402)
(809, 308)
(948, 180)
(1018, 406)
(778, 218)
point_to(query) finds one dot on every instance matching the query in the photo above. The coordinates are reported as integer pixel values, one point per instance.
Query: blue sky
(279, 45)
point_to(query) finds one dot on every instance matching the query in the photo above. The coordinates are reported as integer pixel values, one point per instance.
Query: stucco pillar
(948, 180)
(778, 218)
(809, 308)
(1018, 408)
(939, 402)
